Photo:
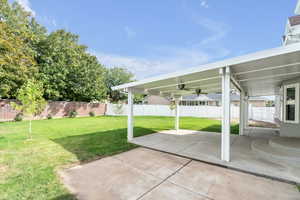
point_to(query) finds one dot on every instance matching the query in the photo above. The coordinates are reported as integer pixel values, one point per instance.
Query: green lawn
(28, 168)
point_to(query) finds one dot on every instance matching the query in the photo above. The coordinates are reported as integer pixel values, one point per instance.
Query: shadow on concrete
(92, 146)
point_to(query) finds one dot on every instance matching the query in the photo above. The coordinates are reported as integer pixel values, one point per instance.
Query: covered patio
(258, 74)
(258, 153)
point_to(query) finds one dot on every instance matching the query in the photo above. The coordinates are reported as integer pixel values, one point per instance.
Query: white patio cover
(259, 74)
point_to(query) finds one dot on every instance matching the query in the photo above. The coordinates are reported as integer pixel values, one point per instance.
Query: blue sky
(160, 36)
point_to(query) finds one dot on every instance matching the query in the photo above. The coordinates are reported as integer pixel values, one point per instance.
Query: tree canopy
(64, 67)
(117, 76)
(67, 71)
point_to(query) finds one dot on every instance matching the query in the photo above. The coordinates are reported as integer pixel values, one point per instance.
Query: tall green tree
(19, 38)
(17, 62)
(117, 76)
(67, 71)
(30, 101)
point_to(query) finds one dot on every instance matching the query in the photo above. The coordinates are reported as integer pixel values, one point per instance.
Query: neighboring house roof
(294, 20)
(218, 97)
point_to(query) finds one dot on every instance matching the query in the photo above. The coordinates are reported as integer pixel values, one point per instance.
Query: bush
(49, 116)
(18, 117)
(72, 114)
(92, 114)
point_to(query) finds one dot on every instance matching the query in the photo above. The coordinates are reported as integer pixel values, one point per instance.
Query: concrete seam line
(164, 180)
(201, 194)
(229, 167)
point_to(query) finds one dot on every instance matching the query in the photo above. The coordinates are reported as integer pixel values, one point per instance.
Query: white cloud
(204, 3)
(217, 30)
(27, 6)
(53, 21)
(47, 21)
(171, 60)
(129, 32)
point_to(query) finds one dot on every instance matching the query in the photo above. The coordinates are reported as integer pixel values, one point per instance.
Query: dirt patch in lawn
(3, 169)
(3, 172)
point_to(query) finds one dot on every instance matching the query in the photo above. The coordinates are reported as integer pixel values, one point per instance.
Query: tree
(117, 76)
(64, 67)
(67, 71)
(19, 35)
(31, 101)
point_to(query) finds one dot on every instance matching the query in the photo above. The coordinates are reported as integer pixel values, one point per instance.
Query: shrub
(49, 116)
(92, 114)
(19, 117)
(72, 114)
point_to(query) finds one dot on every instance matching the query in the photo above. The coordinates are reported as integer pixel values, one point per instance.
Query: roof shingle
(295, 20)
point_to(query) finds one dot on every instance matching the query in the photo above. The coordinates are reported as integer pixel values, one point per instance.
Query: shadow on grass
(218, 129)
(91, 146)
(66, 197)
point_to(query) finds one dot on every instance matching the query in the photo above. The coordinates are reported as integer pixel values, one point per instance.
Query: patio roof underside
(259, 74)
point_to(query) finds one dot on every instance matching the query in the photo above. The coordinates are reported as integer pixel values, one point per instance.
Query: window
(291, 103)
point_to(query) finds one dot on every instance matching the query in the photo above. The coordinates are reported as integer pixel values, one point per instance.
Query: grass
(28, 167)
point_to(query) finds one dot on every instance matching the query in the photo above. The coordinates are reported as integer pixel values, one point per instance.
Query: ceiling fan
(197, 91)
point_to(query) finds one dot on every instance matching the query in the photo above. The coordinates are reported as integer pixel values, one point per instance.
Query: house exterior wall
(289, 129)
(292, 34)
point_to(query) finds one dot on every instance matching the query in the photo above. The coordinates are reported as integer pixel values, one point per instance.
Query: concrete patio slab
(155, 163)
(147, 174)
(206, 146)
(220, 183)
(108, 178)
(170, 191)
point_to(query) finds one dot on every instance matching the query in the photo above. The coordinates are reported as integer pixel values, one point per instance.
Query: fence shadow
(95, 145)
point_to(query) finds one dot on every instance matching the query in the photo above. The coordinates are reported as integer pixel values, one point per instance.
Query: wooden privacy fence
(56, 109)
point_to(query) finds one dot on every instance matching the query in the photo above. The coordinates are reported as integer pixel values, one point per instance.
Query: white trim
(236, 83)
(296, 86)
(297, 10)
(191, 91)
(177, 114)
(218, 65)
(225, 154)
(268, 68)
(130, 122)
(242, 113)
(205, 86)
(246, 113)
(269, 76)
(187, 82)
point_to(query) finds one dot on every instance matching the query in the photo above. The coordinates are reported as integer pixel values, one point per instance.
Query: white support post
(177, 114)
(225, 154)
(130, 115)
(277, 108)
(246, 113)
(242, 113)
